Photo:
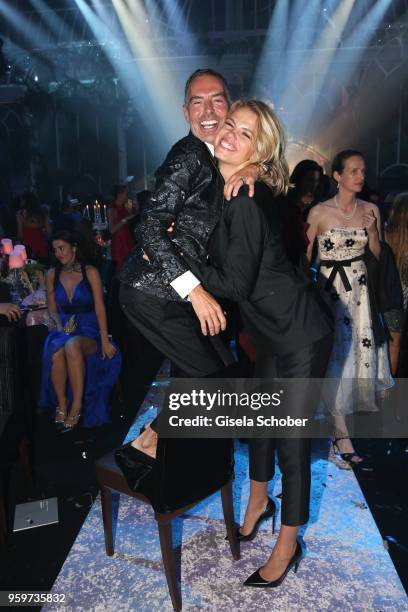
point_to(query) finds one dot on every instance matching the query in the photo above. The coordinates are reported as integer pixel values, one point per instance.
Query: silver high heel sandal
(70, 426)
(60, 423)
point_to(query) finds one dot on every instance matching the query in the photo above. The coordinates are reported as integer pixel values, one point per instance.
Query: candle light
(97, 213)
(7, 245)
(105, 213)
(20, 248)
(15, 260)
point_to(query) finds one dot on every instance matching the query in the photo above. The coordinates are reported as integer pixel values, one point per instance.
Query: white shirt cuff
(185, 283)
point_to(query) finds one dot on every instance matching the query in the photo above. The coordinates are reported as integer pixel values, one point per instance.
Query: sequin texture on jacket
(189, 193)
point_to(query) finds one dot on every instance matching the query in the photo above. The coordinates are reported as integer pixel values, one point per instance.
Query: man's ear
(186, 113)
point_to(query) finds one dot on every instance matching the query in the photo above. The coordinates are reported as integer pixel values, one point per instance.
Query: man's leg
(174, 330)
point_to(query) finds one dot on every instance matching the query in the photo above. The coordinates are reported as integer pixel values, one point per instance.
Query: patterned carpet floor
(346, 567)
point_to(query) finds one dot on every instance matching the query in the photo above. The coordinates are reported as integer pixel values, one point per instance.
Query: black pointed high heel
(270, 511)
(256, 580)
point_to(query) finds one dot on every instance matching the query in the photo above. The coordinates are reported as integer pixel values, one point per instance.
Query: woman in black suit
(287, 322)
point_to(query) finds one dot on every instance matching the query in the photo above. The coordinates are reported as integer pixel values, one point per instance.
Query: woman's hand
(370, 222)
(108, 350)
(372, 225)
(11, 311)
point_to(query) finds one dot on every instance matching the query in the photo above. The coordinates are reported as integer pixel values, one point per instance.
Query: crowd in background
(33, 224)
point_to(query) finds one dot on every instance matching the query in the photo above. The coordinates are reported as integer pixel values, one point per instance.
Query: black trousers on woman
(294, 453)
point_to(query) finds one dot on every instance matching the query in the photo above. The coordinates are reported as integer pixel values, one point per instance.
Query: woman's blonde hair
(269, 145)
(396, 233)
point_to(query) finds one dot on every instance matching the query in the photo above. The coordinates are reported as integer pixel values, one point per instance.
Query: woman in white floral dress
(343, 227)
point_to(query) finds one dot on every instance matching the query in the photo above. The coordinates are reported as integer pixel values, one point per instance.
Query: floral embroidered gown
(360, 368)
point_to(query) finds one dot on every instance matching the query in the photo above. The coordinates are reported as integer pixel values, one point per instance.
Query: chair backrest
(186, 471)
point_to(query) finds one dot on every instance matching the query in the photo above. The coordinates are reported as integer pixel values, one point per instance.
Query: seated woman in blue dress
(80, 363)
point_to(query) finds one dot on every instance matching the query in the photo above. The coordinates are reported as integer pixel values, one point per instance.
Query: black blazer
(280, 307)
(188, 192)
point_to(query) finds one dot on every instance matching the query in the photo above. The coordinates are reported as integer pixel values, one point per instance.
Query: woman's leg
(261, 470)
(59, 381)
(76, 349)
(282, 553)
(257, 502)
(342, 440)
(394, 345)
(261, 458)
(294, 462)
(294, 453)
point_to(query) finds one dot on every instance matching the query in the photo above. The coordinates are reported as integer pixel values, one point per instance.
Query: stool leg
(228, 510)
(166, 545)
(106, 501)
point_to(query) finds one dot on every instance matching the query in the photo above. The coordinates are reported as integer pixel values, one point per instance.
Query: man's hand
(11, 311)
(247, 176)
(208, 311)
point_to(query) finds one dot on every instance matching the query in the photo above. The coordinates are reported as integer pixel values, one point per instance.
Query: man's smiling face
(206, 107)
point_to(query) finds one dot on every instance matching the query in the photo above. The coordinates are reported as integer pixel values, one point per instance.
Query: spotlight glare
(154, 72)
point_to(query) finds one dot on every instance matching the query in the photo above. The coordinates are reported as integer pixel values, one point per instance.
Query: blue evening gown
(78, 318)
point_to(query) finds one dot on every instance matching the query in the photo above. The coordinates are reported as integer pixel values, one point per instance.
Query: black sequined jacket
(189, 193)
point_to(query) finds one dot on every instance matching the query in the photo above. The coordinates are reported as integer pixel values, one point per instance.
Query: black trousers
(174, 329)
(294, 453)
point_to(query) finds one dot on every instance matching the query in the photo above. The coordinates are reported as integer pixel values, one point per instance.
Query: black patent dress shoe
(270, 511)
(134, 464)
(256, 580)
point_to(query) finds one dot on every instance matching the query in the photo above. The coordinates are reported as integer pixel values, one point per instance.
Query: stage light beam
(35, 35)
(166, 104)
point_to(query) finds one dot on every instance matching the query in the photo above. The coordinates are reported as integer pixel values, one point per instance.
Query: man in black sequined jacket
(188, 193)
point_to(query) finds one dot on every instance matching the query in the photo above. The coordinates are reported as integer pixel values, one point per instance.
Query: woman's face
(63, 251)
(353, 176)
(235, 142)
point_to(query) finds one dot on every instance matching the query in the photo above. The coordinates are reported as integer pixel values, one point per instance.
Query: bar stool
(110, 478)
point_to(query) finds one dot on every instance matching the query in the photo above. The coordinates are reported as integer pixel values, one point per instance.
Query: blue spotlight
(362, 31)
(270, 66)
(34, 34)
(303, 23)
(176, 20)
(55, 24)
